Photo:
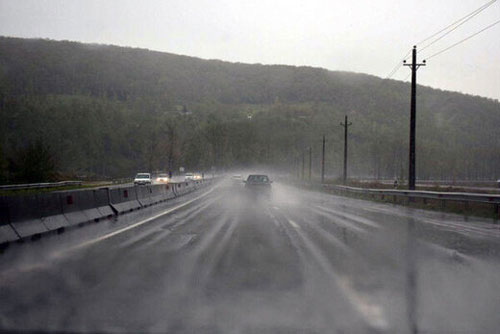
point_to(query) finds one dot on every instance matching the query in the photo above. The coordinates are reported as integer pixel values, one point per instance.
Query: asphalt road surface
(225, 261)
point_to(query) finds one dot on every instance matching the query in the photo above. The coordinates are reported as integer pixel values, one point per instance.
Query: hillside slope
(85, 101)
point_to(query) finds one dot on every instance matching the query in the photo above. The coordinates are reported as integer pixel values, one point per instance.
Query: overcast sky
(367, 36)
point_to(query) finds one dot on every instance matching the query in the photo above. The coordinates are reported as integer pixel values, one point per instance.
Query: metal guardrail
(116, 182)
(431, 181)
(492, 199)
(123, 180)
(451, 196)
(40, 185)
(458, 183)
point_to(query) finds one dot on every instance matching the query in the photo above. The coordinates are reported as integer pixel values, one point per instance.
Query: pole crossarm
(417, 65)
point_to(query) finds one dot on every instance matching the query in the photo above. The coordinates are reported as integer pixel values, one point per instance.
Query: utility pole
(345, 125)
(413, 111)
(323, 162)
(295, 168)
(297, 164)
(303, 164)
(310, 163)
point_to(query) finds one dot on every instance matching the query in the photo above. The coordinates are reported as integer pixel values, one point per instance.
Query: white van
(142, 179)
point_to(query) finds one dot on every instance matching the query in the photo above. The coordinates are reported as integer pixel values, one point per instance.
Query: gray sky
(358, 35)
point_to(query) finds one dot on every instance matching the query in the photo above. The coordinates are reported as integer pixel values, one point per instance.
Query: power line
(397, 67)
(394, 70)
(453, 25)
(463, 40)
(486, 5)
(464, 20)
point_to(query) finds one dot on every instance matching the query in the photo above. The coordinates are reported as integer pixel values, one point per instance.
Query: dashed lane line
(142, 222)
(26, 268)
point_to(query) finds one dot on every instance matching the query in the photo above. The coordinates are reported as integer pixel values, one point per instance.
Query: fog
(267, 247)
(246, 261)
(359, 36)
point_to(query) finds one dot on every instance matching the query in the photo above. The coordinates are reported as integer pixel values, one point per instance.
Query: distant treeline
(105, 111)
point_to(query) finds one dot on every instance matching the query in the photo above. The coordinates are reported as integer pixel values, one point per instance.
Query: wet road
(225, 262)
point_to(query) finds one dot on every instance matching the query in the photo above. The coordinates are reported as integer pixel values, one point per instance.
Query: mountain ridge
(40, 79)
(353, 73)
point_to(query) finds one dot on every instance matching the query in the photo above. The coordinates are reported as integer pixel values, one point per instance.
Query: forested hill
(50, 67)
(106, 89)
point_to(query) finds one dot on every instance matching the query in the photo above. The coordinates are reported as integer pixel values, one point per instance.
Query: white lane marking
(275, 221)
(294, 224)
(481, 228)
(373, 312)
(142, 222)
(357, 218)
(217, 252)
(273, 218)
(330, 237)
(338, 220)
(6, 274)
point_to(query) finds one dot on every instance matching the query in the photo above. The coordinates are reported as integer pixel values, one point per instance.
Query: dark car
(258, 183)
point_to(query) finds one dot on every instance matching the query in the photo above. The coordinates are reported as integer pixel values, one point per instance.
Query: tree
(33, 163)
(3, 166)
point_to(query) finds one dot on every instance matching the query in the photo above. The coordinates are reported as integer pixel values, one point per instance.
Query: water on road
(228, 261)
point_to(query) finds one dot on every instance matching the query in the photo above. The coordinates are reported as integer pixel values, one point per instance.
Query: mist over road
(228, 262)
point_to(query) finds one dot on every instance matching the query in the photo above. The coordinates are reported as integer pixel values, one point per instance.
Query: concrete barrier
(203, 183)
(24, 215)
(158, 193)
(168, 191)
(124, 199)
(144, 195)
(82, 206)
(183, 188)
(78, 207)
(101, 198)
(51, 211)
(189, 187)
(7, 232)
(175, 187)
(179, 189)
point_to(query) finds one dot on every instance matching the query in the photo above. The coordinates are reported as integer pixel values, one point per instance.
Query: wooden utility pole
(346, 124)
(413, 111)
(310, 163)
(323, 162)
(303, 165)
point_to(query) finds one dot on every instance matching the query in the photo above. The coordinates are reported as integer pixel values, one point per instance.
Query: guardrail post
(394, 200)
(424, 200)
(443, 203)
(497, 210)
